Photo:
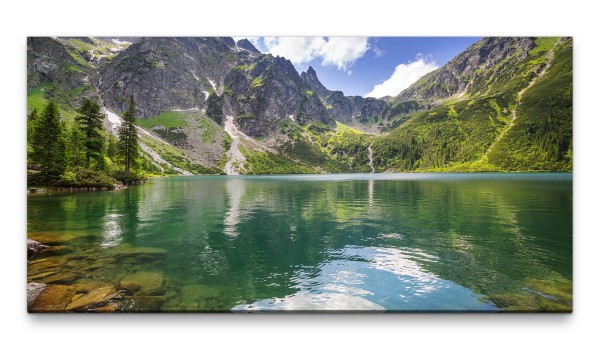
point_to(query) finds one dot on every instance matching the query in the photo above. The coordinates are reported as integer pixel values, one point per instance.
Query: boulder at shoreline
(34, 247)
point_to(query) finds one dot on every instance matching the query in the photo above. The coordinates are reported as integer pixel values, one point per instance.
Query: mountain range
(214, 105)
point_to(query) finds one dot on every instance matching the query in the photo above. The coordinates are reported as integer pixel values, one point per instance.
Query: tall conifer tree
(48, 143)
(128, 142)
(76, 150)
(90, 123)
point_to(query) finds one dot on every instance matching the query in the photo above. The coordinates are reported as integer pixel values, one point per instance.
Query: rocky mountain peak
(266, 90)
(170, 73)
(487, 58)
(247, 45)
(310, 78)
(499, 88)
(346, 109)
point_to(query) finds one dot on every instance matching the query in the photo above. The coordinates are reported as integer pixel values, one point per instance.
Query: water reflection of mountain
(488, 237)
(286, 241)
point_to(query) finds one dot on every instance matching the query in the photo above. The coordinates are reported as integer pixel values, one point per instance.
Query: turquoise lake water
(392, 242)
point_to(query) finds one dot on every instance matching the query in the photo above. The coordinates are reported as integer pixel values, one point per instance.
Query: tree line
(81, 155)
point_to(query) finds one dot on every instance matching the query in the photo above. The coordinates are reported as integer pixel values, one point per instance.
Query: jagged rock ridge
(344, 109)
(473, 100)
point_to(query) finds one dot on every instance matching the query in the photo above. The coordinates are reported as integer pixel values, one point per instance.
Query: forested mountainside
(503, 104)
(214, 105)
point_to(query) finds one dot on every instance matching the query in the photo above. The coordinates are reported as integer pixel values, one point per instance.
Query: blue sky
(374, 66)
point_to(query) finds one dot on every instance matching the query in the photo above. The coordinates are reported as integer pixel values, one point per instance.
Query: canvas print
(299, 174)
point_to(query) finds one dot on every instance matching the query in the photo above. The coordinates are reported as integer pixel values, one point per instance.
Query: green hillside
(519, 121)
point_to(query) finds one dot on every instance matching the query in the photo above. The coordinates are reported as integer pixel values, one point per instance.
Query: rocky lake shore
(62, 279)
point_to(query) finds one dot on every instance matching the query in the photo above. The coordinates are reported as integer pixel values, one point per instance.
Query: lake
(391, 242)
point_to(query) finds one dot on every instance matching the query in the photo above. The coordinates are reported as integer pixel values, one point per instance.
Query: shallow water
(394, 242)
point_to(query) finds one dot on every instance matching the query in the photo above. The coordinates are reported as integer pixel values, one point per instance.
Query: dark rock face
(365, 108)
(268, 92)
(180, 73)
(167, 73)
(310, 78)
(345, 109)
(247, 45)
(132, 39)
(462, 72)
(49, 62)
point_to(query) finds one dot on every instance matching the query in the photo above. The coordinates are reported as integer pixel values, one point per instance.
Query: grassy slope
(175, 128)
(170, 124)
(168, 119)
(341, 150)
(178, 158)
(456, 135)
(82, 51)
(261, 163)
(313, 148)
(37, 99)
(471, 133)
(541, 138)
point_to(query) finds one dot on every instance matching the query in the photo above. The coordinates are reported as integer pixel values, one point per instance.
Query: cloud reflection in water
(373, 278)
(112, 230)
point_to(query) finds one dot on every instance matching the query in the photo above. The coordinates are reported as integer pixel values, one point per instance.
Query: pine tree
(32, 116)
(128, 144)
(76, 151)
(89, 120)
(112, 147)
(48, 143)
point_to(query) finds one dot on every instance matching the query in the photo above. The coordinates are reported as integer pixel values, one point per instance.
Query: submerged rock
(44, 265)
(130, 287)
(110, 307)
(63, 277)
(76, 296)
(38, 261)
(56, 238)
(146, 303)
(33, 291)
(57, 250)
(88, 286)
(94, 299)
(195, 292)
(148, 283)
(42, 275)
(199, 297)
(141, 252)
(38, 272)
(54, 298)
(34, 248)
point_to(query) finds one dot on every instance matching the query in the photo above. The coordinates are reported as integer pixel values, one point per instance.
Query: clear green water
(342, 242)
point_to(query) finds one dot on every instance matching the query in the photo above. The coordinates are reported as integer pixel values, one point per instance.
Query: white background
(308, 17)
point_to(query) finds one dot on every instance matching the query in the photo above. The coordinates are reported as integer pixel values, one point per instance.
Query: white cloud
(404, 75)
(297, 49)
(340, 52)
